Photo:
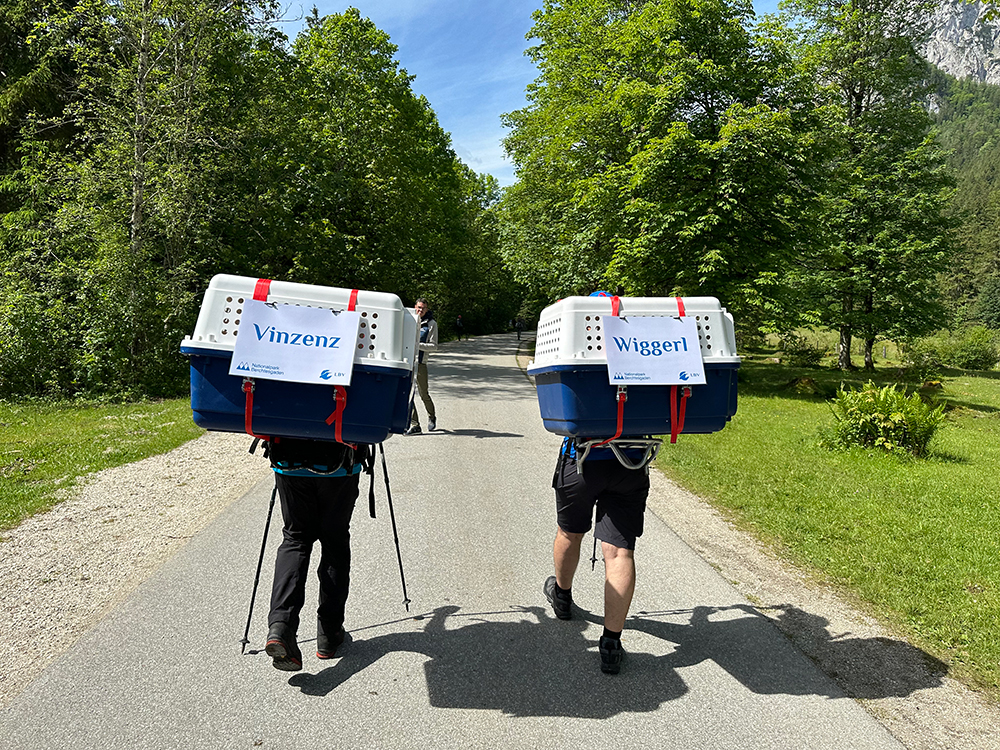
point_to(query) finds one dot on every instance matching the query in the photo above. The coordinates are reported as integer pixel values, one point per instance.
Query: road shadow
(533, 665)
(870, 668)
(524, 662)
(737, 640)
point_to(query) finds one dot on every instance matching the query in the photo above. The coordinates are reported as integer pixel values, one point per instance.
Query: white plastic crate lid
(571, 331)
(387, 334)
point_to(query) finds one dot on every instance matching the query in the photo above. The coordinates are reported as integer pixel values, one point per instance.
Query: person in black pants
(317, 483)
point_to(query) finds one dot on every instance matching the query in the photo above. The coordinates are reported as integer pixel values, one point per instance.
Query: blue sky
(468, 59)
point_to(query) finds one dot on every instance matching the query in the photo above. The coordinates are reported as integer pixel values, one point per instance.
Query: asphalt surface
(478, 661)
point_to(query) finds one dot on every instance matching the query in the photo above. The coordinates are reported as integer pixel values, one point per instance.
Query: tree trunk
(844, 355)
(846, 333)
(869, 340)
(140, 126)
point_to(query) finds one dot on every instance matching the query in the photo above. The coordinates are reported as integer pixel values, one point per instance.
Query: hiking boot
(432, 424)
(282, 648)
(327, 645)
(611, 655)
(562, 604)
(413, 429)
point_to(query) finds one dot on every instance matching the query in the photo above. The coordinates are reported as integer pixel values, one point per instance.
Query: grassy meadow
(46, 447)
(918, 540)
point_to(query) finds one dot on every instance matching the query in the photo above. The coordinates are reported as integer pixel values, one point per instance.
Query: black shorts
(620, 495)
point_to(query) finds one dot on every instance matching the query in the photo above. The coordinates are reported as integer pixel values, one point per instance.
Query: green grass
(45, 448)
(918, 540)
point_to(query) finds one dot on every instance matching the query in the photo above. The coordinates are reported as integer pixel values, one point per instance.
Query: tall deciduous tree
(666, 148)
(887, 233)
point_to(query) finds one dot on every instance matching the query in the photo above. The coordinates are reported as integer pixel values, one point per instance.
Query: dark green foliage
(968, 118)
(194, 142)
(988, 304)
(884, 418)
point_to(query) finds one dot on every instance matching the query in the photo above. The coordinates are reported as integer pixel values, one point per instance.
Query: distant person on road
(428, 343)
(519, 325)
(317, 482)
(459, 327)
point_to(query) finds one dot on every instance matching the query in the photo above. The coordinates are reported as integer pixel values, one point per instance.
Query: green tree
(667, 148)
(968, 117)
(107, 231)
(887, 229)
(201, 144)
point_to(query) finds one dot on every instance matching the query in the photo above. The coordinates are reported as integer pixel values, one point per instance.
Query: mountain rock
(964, 42)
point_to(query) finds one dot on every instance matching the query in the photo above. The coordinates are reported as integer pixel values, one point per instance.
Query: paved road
(478, 662)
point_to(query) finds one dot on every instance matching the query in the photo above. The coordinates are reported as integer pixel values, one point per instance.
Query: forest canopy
(150, 144)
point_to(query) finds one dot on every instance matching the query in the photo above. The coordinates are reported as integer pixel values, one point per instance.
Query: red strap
(248, 389)
(262, 289)
(336, 419)
(680, 307)
(622, 398)
(677, 420)
(354, 301)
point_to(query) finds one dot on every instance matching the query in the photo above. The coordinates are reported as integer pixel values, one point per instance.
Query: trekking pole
(395, 535)
(593, 557)
(260, 562)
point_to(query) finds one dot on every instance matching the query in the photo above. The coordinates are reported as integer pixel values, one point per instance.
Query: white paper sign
(296, 344)
(647, 350)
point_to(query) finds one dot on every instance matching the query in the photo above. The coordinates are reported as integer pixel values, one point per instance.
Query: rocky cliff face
(963, 42)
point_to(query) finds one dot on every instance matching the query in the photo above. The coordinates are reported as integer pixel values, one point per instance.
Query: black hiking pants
(314, 509)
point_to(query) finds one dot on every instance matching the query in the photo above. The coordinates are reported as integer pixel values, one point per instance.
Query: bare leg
(566, 556)
(619, 584)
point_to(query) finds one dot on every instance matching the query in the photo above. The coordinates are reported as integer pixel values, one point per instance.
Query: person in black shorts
(620, 496)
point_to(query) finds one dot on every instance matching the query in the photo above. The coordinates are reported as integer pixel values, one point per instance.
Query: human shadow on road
(534, 665)
(876, 667)
(524, 662)
(740, 639)
(476, 433)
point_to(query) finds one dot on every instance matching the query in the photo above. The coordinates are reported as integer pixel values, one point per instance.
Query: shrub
(921, 360)
(798, 351)
(884, 418)
(973, 348)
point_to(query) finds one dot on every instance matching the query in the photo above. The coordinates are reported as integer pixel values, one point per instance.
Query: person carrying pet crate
(611, 374)
(321, 375)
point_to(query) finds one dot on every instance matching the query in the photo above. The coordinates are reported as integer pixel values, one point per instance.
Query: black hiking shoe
(327, 645)
(562, 604)
(611, 655)
(413, 429)
(283, 649)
